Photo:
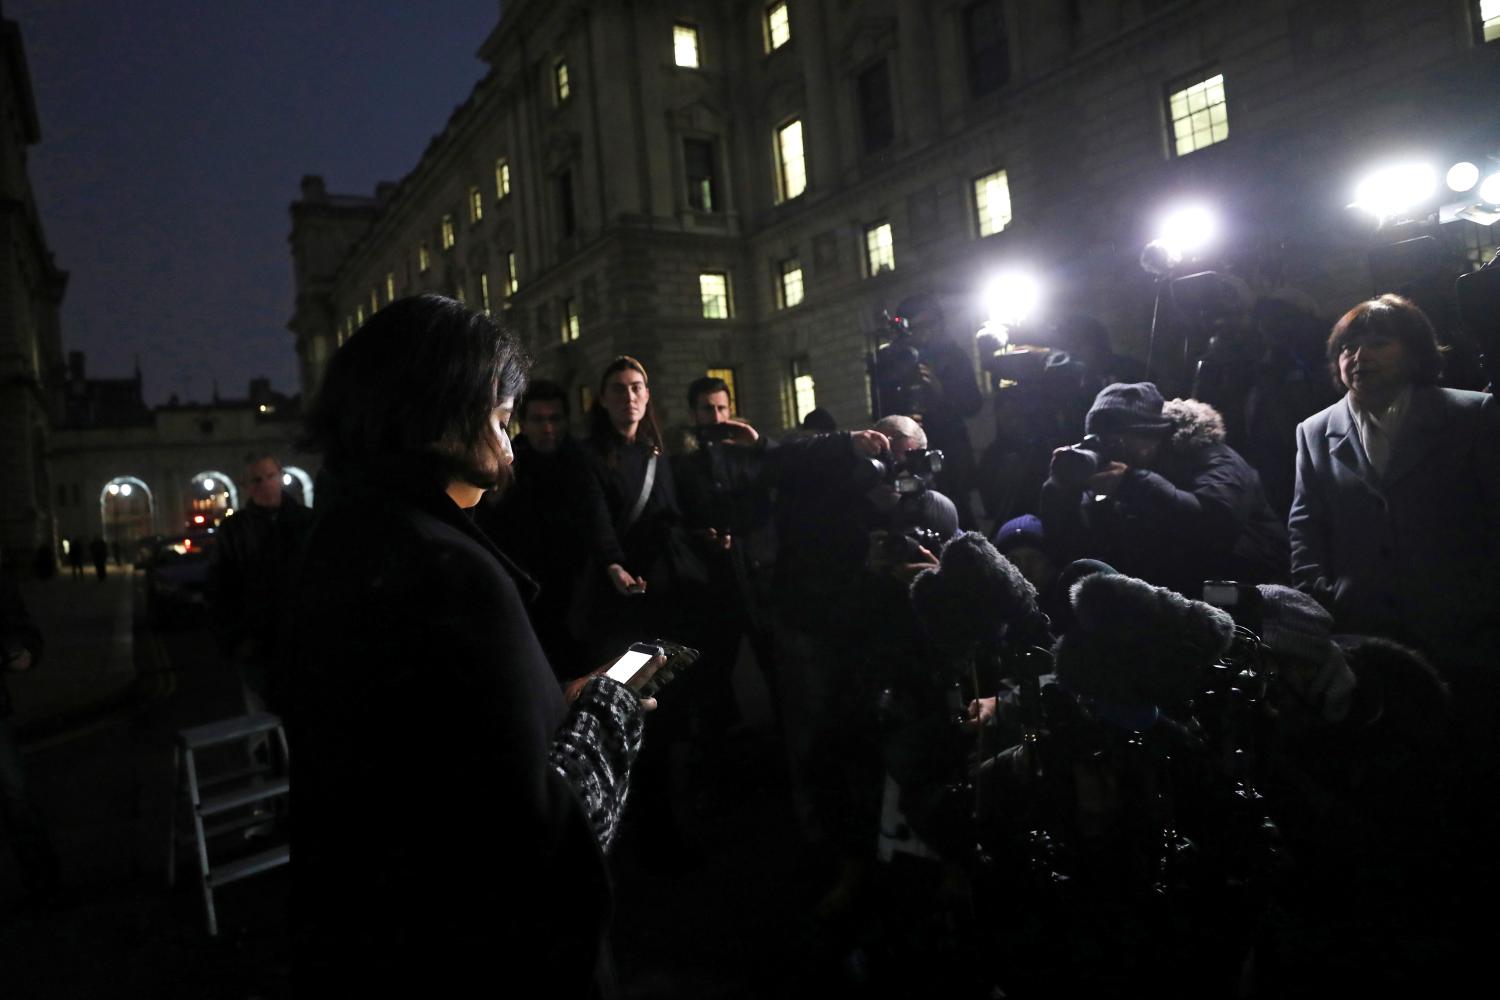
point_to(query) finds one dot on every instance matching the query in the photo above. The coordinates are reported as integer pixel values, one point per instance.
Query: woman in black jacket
(629, 509)
(451, 809)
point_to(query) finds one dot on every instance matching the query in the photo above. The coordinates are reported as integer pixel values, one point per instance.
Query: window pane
(560, 77)
(448, 232)
(698, 164)
(877, 120)
(569, 320)
(502, 177)
(791, 283)
(510, 273)
(390, 286)
(793, 164)
(992, 202)
(778, 25)
(484, 292)
(685, 45)
(988, 47)
(476, 205)
(1199, 115)
(804, 393)
(713, 289)
(880, 250)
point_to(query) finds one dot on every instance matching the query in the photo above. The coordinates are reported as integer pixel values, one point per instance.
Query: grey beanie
(1127, 406)
(1296, 626)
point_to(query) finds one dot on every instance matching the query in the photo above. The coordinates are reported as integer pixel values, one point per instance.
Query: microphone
(973, 594)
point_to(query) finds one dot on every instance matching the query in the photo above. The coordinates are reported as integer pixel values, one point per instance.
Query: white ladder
(236, 792)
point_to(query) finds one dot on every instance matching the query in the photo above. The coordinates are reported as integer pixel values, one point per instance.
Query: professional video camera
(912, 473)
(1079, 461)
(896, 371)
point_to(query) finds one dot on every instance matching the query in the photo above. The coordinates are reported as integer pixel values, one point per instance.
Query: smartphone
(632, 662)
(1221, 593)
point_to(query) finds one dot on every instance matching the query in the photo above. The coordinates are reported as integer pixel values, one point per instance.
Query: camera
(714, 433)
(1079, 461)
(895, 372)
(901, 546)
(912, 473)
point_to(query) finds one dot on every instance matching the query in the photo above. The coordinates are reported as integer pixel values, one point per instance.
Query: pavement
(98, 719)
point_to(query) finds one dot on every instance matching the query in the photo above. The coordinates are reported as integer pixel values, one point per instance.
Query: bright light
(114, 489)
(1396, 190)
(286, 479)
(197, 518)
(1490, 190)
(1010, 298)
(208, 485)
(1188, 229)
(125, 489)
(1462, 176)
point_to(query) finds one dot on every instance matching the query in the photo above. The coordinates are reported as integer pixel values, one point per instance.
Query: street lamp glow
(1188, 229)
(1490, 190)
(125, 489)
(208, 485)
(1462, 176)
(1011, 298)
(1396, 190)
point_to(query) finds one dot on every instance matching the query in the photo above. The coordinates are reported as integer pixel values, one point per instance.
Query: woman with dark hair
(629, 507)
(452, 810)
(1395, 526)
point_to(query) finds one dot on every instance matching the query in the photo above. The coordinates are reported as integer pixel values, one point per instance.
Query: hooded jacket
(1199, 514)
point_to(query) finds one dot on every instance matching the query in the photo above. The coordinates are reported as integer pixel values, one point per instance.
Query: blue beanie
(1019, 532)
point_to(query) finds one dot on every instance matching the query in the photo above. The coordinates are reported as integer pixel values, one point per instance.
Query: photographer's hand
(981, 712)
(1059, 470)
(742, 433)
(623, 582)
(1108, 479)
(870, 444)
(573, 688)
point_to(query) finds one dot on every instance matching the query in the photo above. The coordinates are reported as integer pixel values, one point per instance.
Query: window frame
(715, 208)
(679, 27)
(783, 270)
(882, 63)
(703, 295)
(448, 232)
(570, 327)
(778, 143)
(511, 282)
(562, 82)
(972, 77)
(1481, 36)
(424, 257)
(770, 32)
(871, 229)
(476, 205)
(979, 217)
(1184, 85)
(502, 178)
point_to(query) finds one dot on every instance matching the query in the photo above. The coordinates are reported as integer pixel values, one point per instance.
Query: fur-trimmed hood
(1195, 424)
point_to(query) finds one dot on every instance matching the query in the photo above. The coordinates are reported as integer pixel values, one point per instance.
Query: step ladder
(226, 802)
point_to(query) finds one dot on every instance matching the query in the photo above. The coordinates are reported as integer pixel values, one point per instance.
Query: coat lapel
(1345, 447)
(1421, 434)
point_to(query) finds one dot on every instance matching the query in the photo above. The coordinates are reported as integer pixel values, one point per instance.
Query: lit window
(880, 249)
(359, 315)
(1199, 115)
(698, 164)
(484, 292)
(778, 26)
(1489, 19)
(502, 178)
(726, 375)
(374, 300)
(510, 273)
(449, 234)
(569, 320)
(790, 162)
(560, 87)
(713, 288)
(585, 398)
(390, 286)
(458, 293)
(791, 282)
(992, 202)
(685, 45)
(476, 205)
(424, 256)
(804, 392)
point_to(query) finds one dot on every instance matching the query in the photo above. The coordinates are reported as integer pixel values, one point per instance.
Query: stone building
(741, 187)
(123, 471)
(31, 291)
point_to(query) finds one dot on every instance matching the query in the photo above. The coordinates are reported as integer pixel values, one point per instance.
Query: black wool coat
(433, 844)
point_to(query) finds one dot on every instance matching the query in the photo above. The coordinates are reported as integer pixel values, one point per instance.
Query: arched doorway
(127, 515)
(212, 496)
(298, 483)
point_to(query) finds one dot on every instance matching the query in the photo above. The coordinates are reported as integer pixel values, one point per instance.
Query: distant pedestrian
(75, 557)
(99, 550)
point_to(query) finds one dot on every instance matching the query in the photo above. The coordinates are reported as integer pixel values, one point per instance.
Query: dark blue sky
(174, 135)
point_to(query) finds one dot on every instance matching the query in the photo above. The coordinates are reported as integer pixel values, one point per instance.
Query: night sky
(174, 135)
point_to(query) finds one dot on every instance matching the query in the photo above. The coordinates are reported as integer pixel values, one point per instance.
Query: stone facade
(31, 291)
(903, 105)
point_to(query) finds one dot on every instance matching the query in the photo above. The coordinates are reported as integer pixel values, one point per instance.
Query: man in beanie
(1160, 496)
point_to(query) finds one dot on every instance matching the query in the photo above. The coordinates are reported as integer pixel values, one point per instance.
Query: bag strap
(640, 501)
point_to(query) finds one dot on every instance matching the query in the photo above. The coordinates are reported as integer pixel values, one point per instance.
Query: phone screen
(1223, 595)
(630, 664)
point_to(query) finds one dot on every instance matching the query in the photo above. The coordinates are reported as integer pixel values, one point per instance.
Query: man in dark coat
(250, 573)
(452, 810)
(1169, 502)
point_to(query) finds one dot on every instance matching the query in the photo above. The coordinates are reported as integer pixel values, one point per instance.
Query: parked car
(177, 579)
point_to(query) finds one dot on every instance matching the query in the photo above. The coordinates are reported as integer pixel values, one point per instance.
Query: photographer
(835, 491)
(726, 509)
(1155, 492)
(923, 374)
